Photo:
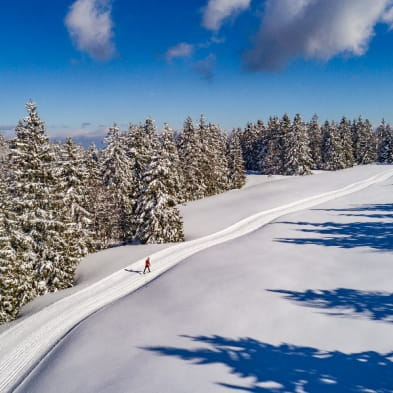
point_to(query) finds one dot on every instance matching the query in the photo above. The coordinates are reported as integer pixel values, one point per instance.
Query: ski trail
(25, 344)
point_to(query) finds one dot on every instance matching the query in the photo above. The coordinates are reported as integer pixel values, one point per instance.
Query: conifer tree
(207, 158)
(16, 276)
(216, 169)
(37, 203)
(331, 147)
(142, 140)
(171, 154)
(385, 143)
(99, 201)
(74, 176)
(285, 130)
(237, 176)
(271, 161)
(250, 142)
(158, 219)
(364, 141)
(344, 130)
(190, 152)
(118, 179)
(315, 138)
(297, 159)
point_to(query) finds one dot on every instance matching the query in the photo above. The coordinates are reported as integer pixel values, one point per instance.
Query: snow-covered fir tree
(119, 181)
(37, 203)
(250, 147)
(206, 160)
(385, 143)
(315, 139)
(170, 152)
(296, 155)
(285, 138)
(237, 177)
(190, 153)
(16, 276)
(213, 163)
(364, 142)
(158, 219)
(142, 141)
(332, 147)
(74, 176)
(345, 132)
(271, 160)
(102, 220)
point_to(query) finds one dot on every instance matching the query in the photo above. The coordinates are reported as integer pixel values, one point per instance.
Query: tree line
(59, 201)
(285, 147)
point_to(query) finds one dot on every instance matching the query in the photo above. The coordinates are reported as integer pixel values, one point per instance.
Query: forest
(61, 201)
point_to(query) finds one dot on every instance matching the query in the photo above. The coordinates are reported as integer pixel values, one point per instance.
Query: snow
(238, 307)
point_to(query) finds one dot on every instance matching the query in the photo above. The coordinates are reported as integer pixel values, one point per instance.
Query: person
(147, 265)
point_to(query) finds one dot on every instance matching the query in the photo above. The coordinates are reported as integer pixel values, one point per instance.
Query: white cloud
(318, 29)
(217, 11)
(90, 26)
(180, 50)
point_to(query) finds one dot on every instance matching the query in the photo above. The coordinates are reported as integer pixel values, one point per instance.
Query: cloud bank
(179, 51)
(90, 25)
(217, 11)
(315, 29)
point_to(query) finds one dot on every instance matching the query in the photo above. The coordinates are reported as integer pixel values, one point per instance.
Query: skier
(147, 265)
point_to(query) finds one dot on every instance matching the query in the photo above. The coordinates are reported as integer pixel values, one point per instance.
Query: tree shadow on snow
(384, 211)
(377, 306)
(377, 235)
(289, 368)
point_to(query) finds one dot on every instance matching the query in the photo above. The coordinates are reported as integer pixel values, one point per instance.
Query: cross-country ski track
(24, 344)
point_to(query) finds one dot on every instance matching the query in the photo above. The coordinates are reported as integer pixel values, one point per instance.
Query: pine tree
(74, 176)
(190, 153)
(286, 139)
(171, 154)
(158, 219)
(213, 163)
(250, 147)
(271, 163)
(37, 203)
(16, 286)
(315, 138)
(207, 158)
(237, 176)
(118, 179)
(297, 159)
(331, 148)
(344, 130)
(142, 140)
(99, 200)
(385, 143)
(364, 142)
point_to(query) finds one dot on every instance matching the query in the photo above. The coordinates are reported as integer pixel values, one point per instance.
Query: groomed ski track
(23, 346)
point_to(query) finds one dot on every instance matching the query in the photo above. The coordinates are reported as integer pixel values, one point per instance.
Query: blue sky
(89, 63)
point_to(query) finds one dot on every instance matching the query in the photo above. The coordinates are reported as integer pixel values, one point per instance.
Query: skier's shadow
(133, 271)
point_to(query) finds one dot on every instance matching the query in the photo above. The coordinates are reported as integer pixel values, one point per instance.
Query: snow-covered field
(303, 304)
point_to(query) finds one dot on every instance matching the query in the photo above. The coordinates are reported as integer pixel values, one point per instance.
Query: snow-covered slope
(26, 342)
